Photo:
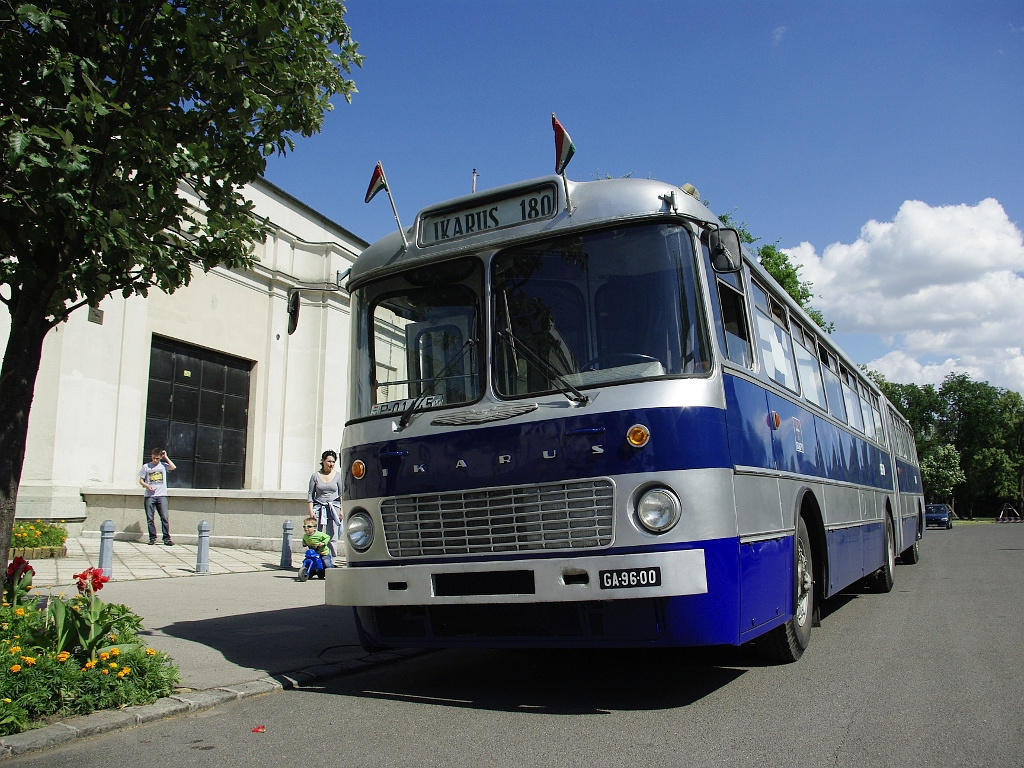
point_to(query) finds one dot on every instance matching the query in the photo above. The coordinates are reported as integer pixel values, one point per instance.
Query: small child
(318, 540)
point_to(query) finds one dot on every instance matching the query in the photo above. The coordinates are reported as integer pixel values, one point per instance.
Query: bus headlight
(658, 510)
(359, 529)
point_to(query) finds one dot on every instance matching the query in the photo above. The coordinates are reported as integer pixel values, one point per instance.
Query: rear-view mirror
(724, 245)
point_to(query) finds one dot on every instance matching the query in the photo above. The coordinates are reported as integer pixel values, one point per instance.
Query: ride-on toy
(312, 566)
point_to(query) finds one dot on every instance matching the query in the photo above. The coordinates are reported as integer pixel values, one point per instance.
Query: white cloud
(777, 34)
(942, 287)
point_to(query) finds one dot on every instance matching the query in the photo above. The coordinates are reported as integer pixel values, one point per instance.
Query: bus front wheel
(786, 643)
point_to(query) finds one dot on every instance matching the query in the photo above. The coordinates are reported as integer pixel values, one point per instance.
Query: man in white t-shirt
(153, 477)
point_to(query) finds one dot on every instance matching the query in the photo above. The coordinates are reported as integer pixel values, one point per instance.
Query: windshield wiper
(518, 345)
(429, 386)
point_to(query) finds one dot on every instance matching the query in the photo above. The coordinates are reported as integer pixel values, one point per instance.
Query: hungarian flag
(377, 183)
(564, 148)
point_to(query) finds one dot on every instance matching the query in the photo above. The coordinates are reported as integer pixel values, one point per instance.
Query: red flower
(15, 564)
(90, 580)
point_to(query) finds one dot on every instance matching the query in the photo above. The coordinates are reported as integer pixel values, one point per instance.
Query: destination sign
(531, 205)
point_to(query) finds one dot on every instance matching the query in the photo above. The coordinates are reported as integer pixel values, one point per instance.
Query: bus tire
(787, 642)
(912, 554)
(882, 579)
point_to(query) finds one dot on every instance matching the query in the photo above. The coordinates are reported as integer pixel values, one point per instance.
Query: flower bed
(32, 541)
(71, 656)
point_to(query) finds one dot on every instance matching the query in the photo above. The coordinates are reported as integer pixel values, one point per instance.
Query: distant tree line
(970, 439)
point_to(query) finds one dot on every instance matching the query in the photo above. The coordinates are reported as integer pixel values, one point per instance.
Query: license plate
(630, 578)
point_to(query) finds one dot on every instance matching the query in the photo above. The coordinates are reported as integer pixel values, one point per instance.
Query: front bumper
(563, 578)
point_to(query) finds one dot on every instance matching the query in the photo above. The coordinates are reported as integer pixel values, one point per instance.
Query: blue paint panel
(750, 437)
(830, 448)
(793, 454)
(845, 557)
(766, 582)
(540, 451)
(712, 618)
(909, 477)
(874, 546)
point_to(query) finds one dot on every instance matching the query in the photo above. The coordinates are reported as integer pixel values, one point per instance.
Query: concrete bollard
(203, 550)
(286, 543)
(106, 564)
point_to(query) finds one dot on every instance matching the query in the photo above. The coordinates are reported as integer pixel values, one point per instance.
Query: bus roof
(522, 211)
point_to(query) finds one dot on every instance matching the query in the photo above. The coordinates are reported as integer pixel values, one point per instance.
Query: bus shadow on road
(552, 681)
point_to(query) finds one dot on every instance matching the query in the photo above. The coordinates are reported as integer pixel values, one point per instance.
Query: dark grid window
(197, 410)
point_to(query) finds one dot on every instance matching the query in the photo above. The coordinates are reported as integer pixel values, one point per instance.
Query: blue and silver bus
(582, 414)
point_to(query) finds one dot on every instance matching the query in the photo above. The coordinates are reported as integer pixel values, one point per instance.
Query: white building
(209, 373)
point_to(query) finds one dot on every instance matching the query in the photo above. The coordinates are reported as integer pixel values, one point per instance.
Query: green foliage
(74, 656)
(127, 131)
(37, 534)
(940, 472)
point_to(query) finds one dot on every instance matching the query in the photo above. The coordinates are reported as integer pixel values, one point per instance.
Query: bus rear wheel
(786, 643)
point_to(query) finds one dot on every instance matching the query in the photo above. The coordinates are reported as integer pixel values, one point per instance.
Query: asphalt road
(930, 674)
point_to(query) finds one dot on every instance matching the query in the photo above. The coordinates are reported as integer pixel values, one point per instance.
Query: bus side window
(808, 367)
(833, 387)
(730, 313)
(876, 413)
(773, 338)
(734, 325)
(865, 407)
(853, 411)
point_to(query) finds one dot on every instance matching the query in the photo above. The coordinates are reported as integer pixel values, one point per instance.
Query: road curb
(185, 701)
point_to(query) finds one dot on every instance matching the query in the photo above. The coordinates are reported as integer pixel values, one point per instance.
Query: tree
(108, 110)
(940, 472)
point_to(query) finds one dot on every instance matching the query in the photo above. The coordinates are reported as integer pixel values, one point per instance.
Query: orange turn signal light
(358, 469)
(638, 435)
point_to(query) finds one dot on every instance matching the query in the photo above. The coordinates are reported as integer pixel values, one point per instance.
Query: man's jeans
(157, 503)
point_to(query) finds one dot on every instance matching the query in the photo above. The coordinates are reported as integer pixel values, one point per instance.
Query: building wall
(87, 424)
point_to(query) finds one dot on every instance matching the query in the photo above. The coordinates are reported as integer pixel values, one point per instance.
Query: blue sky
(880, 144)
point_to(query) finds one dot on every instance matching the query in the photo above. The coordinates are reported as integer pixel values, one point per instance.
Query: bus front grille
(573, 515)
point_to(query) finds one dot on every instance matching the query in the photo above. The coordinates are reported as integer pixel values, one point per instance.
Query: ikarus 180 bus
(581, 414)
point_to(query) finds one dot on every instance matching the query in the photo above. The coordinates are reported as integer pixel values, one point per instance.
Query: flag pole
(394, 210)
(564, 150)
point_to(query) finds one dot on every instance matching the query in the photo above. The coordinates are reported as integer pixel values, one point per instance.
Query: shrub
(71, 656)
(37, 534)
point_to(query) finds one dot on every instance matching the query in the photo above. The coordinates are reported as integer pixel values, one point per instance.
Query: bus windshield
(418, 342)
(597, 308)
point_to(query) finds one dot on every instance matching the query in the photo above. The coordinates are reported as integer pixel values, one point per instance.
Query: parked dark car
(938, 514)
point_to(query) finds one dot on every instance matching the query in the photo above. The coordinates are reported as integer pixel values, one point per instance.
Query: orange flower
(89, 665)
(15, 648)
(105, 671)
(115, 651)
(29, 660)
(19, 612)
(150, 652)
(63, 656)
(16, 668)
(104, 656)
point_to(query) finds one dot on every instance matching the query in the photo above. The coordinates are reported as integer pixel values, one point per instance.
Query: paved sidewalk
(247, 627)
(138, 560)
